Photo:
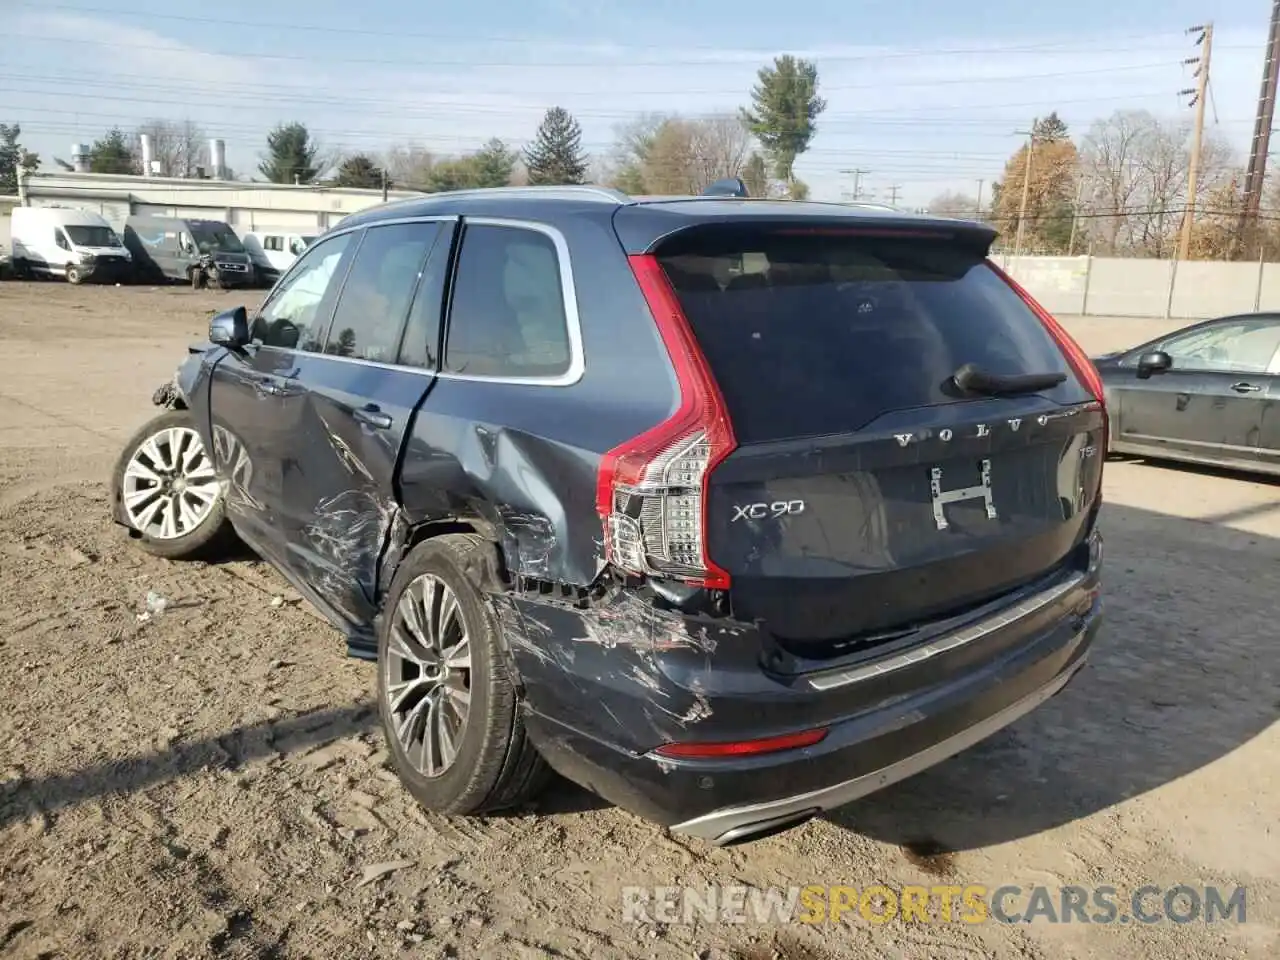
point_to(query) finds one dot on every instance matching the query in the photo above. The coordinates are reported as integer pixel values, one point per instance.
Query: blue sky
(923, 94)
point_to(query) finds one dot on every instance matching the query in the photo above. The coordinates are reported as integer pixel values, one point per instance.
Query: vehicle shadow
(23, 798)
(1180, 676)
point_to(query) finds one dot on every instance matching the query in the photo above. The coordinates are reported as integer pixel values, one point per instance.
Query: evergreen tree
(291, 155)
(493, 164)
(555, 156)
(361, 172)
(756, 176)
(456, 174)
(111, 154)
(1050, 129)
(13, 158)
(784, 110)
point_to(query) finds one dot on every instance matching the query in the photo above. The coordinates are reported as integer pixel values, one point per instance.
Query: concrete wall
(1162, 289)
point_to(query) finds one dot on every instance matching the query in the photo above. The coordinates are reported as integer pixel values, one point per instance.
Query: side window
(61, 239)
(1246, 346)
(294, 318)
(271, 243)
(507, 313)
(376, 295)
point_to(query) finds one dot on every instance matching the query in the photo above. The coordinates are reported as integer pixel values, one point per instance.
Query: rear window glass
(810, 335)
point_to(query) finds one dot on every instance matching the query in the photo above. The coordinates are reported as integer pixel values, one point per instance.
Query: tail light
(1080, 363)
(651, 491)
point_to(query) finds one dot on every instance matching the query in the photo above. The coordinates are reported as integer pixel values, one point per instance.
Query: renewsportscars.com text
(972, 903)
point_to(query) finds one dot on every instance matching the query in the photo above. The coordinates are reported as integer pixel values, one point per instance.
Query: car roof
(644, 220)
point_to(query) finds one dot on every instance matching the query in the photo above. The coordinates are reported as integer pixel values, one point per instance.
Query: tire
(210, 534)
(196, 276)
(495, 766)
(74, 274)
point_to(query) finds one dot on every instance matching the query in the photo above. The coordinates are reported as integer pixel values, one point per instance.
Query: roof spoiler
(728, 187)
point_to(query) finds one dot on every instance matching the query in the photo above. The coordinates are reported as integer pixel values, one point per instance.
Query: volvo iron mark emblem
(942, 497)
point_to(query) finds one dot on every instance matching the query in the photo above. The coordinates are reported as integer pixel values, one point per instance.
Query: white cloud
(925, 121)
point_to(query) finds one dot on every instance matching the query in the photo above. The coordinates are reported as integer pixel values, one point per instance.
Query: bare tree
(1135, 166)
(1110, 152)
(409, 165)
(179, 147)
(671, 165)
(684, 156)
(721, 145)
(960, 206)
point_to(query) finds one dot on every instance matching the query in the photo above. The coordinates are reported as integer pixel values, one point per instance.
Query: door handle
(1243, 387)
(372, 416)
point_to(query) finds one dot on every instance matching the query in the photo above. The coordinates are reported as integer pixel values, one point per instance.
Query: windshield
(215, 238)
(93, 236)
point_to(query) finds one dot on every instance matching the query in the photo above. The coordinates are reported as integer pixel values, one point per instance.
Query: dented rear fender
(531, 496)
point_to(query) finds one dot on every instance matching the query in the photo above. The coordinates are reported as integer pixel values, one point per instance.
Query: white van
(274, 251)
(65, 242)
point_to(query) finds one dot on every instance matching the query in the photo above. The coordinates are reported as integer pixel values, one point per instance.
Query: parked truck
(274, 251)
(66, 242)
(193, 251)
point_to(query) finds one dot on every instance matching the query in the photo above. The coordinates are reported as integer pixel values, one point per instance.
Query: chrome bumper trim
(967, 635)
(736, 823)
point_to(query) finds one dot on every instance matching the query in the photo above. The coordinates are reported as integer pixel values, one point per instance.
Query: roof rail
(563, 192)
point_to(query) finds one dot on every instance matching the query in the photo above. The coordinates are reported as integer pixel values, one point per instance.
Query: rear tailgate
(869, 493)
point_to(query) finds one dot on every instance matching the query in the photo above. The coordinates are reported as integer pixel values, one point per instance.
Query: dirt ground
(211, 782)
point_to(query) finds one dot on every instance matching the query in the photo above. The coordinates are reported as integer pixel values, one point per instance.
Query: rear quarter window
(814, 335)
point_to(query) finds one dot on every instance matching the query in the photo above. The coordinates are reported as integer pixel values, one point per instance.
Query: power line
(421, 64)
(251, 99)
(294, 27)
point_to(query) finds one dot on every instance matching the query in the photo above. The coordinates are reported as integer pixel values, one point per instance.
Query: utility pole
(1026, 185)
(857, 173)
(893, 194)
(977, 213)
(1075, 218)
(1261, 128)
(384, 184)
(1201, 92)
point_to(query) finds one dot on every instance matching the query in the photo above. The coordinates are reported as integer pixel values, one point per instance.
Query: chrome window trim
(568, 295)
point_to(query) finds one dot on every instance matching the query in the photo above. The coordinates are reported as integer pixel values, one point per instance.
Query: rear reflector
(741, 748)
(651, 490)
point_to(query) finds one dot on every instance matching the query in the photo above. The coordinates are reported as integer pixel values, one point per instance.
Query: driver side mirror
(1155, 362)
(230, 329)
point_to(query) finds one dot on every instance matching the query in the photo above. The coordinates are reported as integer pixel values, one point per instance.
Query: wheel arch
(489, 573)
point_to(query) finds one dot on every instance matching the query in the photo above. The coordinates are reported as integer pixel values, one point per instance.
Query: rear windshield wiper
(973, 379)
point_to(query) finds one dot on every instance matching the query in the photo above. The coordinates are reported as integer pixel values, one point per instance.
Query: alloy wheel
(169, 485)
(428, 675)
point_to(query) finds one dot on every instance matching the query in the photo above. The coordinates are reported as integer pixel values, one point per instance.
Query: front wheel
(75, 274)
(166, 490)
(447, 701)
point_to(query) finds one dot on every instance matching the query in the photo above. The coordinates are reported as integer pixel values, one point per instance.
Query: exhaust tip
(761, 829)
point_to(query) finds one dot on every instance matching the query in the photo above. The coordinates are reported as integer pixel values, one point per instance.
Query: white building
(245, 206)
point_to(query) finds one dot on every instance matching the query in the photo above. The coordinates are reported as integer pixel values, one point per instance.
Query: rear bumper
(597, 713)
(743, 821)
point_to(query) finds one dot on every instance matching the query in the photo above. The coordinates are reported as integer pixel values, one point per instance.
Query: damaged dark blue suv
(729, 510)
